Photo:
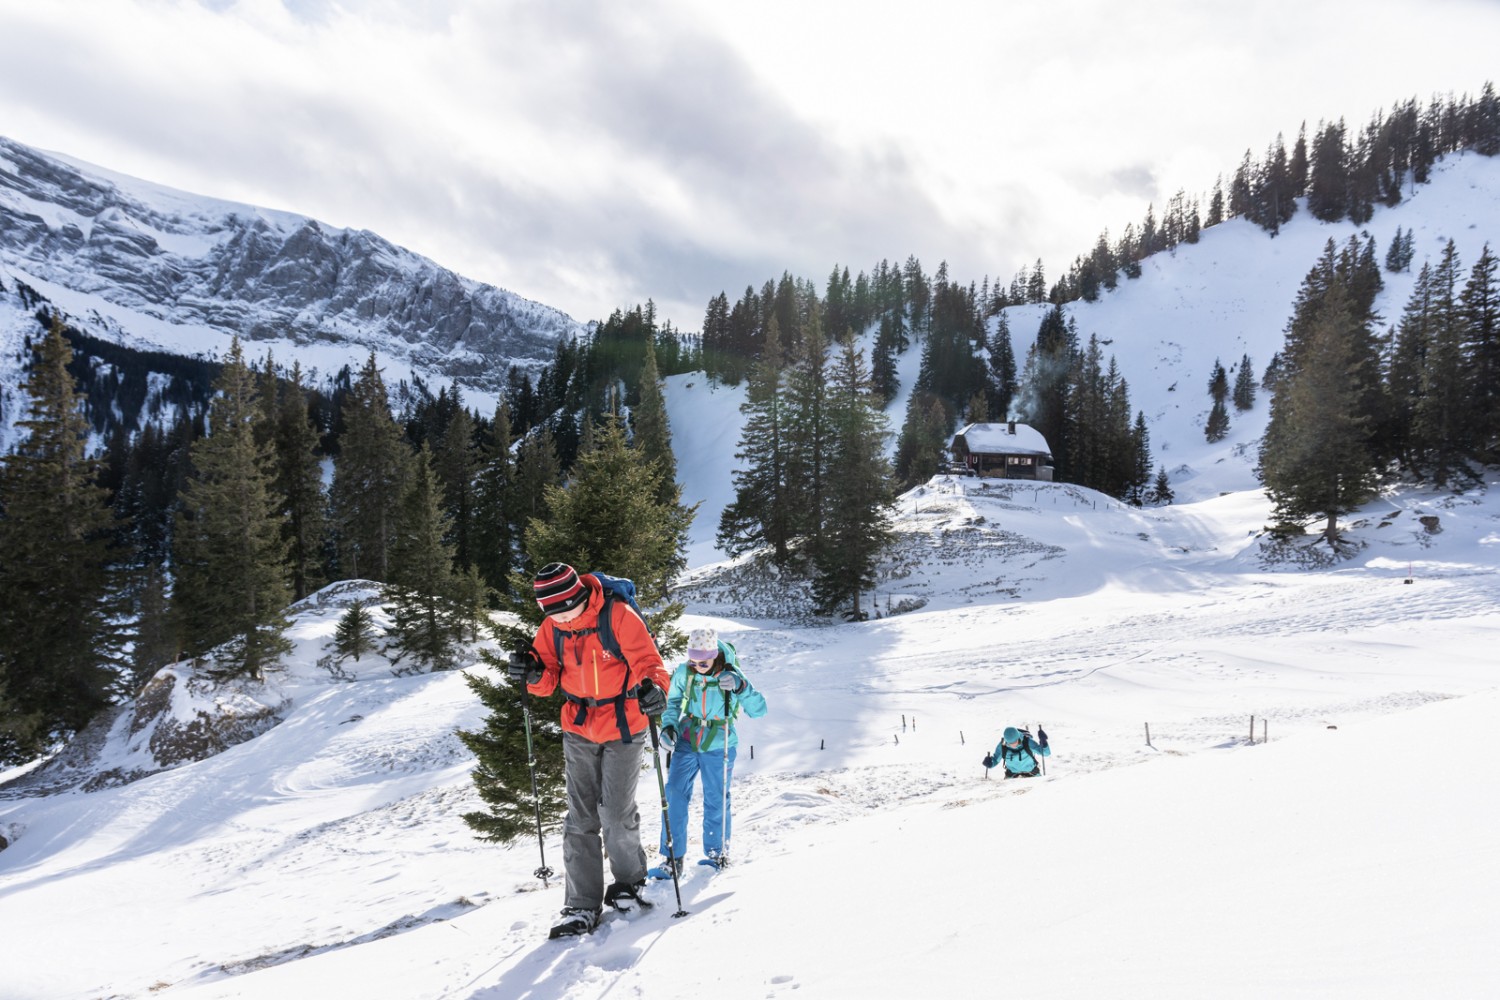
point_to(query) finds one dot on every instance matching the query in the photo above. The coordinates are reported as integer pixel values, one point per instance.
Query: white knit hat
(703, 644)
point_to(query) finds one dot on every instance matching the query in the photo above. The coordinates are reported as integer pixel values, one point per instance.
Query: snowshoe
(577, 920)
(667, 869)
(718, 862)
(625, 897)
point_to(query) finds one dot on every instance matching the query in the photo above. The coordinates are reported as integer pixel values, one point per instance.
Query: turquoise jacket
(695, 705)
(1022, 759)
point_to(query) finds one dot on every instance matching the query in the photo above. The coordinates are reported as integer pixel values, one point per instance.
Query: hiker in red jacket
(612, 677)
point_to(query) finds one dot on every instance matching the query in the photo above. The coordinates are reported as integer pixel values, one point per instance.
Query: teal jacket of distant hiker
(1021, 758)
(695, 705)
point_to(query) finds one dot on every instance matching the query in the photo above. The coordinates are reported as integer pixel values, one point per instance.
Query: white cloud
(592, 155)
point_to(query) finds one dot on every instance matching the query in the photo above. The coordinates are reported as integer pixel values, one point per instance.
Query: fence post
(1148, 735)
(1252, 730)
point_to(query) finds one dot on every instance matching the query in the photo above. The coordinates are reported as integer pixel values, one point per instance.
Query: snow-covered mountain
(152, 267)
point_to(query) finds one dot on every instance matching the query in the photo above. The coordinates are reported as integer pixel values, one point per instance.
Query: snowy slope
(327, 856)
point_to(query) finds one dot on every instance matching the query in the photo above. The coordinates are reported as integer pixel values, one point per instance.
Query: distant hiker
(1020, 754)
(708, 691)
(598, 649)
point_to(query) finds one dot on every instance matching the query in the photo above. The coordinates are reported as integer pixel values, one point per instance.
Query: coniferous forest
(238, 487)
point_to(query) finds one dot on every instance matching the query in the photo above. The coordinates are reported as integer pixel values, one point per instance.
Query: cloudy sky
(593, 154)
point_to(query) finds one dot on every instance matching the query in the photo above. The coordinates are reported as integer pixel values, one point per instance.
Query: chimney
(1012, 427)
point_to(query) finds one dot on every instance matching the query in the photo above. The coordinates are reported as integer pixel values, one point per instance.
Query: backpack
(695, 683)
(1024, 748)
(616, 588)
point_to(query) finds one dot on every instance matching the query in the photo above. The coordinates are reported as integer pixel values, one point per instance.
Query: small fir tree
(1217, 427)
(354, 636)
(1161, 490)
(502, 772)
(1244, 385)
(1218, 383)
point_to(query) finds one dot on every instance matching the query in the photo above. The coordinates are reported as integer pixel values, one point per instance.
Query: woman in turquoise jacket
(708, 692)
(1020, 754)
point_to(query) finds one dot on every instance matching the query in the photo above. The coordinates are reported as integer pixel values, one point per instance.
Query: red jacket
(590, 673)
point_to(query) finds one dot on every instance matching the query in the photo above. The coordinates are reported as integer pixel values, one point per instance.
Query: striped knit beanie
(558, 589)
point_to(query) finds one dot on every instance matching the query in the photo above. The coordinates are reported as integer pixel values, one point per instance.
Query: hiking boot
(576, 920)
(626, 896)
(669, 868)
(716, 860)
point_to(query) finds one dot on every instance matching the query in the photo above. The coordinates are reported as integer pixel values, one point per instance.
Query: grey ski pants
(601, 781)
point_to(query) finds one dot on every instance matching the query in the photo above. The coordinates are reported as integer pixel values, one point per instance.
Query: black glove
(1041, 736)
(989, 760)
(650, 698)
(668, 737)
(525, 667)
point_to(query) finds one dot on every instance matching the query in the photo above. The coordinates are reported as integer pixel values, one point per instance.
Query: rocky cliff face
(195, 262)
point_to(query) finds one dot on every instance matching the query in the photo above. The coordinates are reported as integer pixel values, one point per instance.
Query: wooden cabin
(1003, 451)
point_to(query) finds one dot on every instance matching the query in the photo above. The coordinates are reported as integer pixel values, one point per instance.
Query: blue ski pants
(688, 764)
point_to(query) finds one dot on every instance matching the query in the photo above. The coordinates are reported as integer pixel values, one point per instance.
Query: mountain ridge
(172, 270)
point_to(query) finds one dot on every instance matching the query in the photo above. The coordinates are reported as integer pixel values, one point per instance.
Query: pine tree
(857, 519)
(354, 635)
(1217, 427)
(1161, 489)
(1328, 175)
(1408, 368)
(456, 460)
(494, 504)
(653, 435)
(808, 451)
(609, 519)
(59, 642)
(229, 553)
(537, 471)
(1244, 385)
(1443, 424)
(1140, 465)
(1314, 458)
(1049, 364)
(298, 483)
(428, 611)
(1479, 305)
(1001, 384)
(158, 638)
(502, 775)
(1218, 383)
(883, 360)
(1399, 254)
(368, 478)
(761, 514)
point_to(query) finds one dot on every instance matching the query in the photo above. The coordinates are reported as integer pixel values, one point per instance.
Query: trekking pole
(1040, 759)
(724, 793)
(543, 873)
(666, 823)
